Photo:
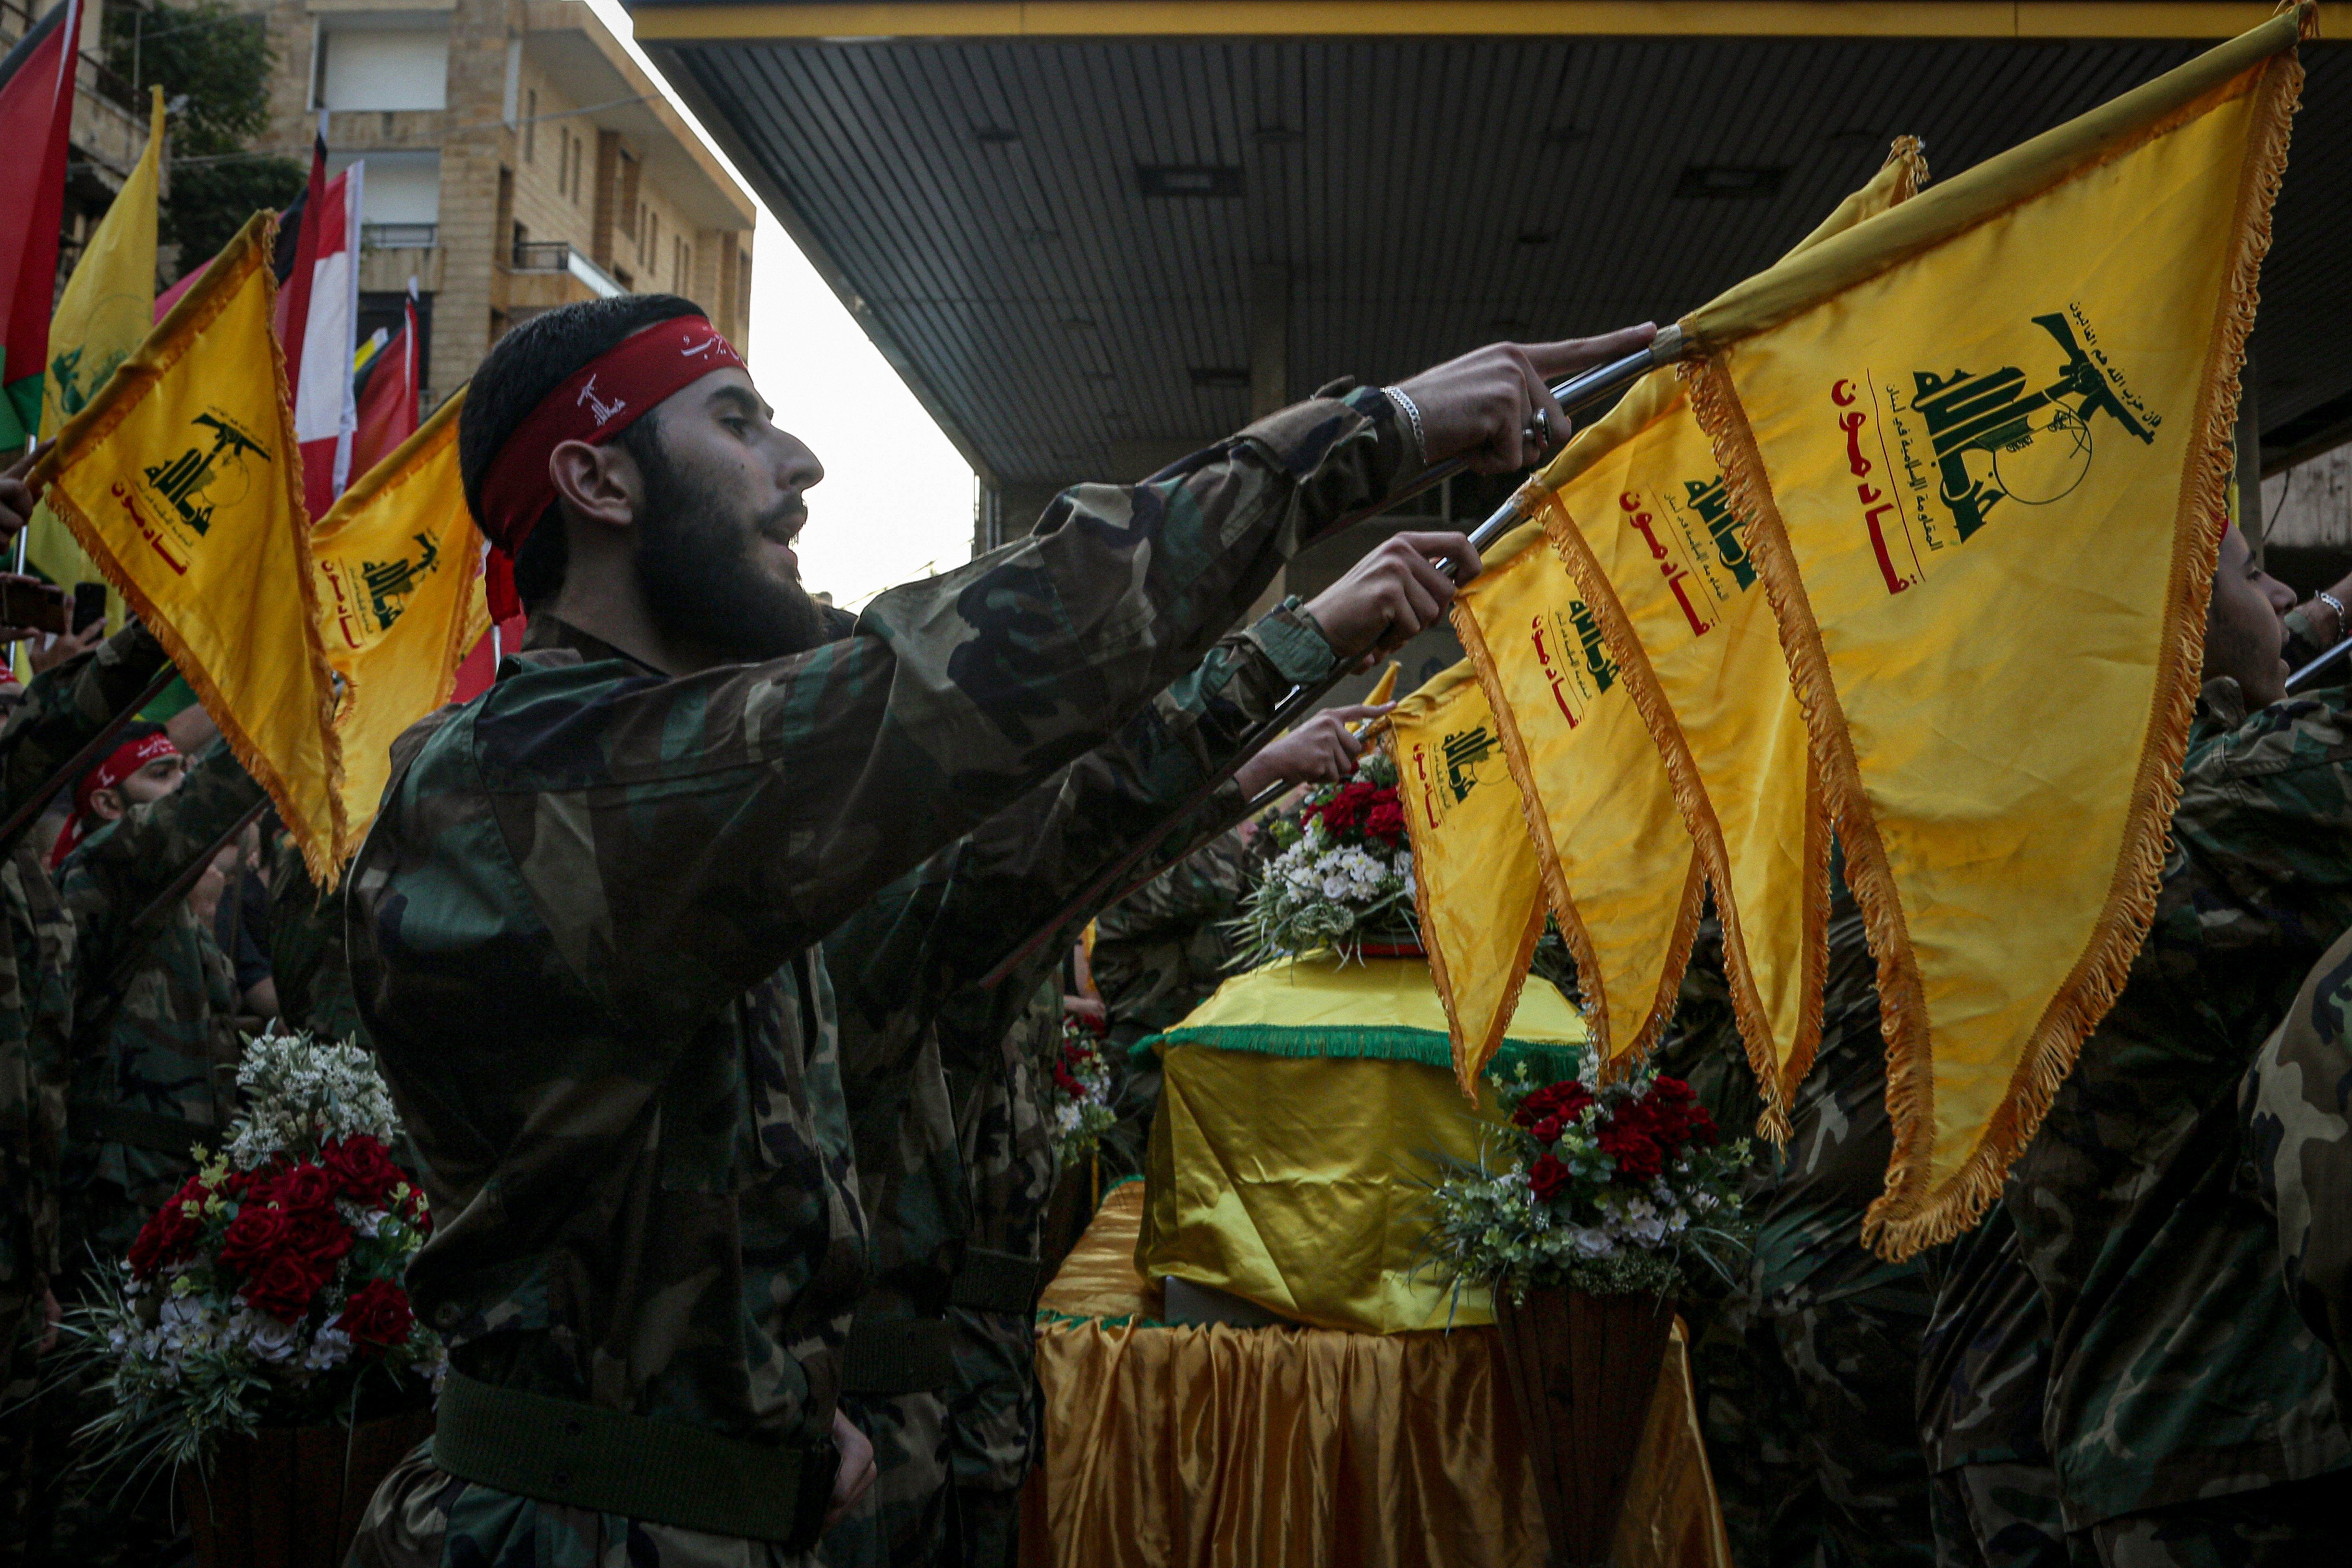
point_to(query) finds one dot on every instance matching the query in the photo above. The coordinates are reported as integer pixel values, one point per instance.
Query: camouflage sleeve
(36, 1021)
(2299, 1144)
(113, 879)
(942, 926)
(307, 956)
(65, 707)
(681, 837)
(2266, 812)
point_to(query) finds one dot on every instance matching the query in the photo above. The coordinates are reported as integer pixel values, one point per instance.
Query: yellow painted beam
(687, 24)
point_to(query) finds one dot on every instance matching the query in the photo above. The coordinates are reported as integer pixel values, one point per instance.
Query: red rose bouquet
(268, 1289)
(1341, 876)
(1601, 1188)
(1079, 1105)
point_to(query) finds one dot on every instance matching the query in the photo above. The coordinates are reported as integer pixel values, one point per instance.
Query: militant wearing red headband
(120, 763)
(602, 399)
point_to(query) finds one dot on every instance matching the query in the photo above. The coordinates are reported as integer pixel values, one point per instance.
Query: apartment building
(517, 160)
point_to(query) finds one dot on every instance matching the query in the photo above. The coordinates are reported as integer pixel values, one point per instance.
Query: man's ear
(598, 484)
(106, 805)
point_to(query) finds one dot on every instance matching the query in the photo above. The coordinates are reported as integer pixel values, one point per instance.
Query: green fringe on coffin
(1373, 1043)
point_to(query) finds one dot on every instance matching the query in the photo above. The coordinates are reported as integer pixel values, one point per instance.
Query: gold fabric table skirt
(1191, 1446)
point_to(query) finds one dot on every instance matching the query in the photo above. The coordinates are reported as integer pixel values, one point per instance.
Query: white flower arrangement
(1079, 1112)
(1343, 874)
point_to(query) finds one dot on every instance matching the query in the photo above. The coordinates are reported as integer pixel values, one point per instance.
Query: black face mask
(694, 566)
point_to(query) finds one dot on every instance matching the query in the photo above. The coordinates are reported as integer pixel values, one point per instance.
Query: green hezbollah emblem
(216, 457)
(1994, 440)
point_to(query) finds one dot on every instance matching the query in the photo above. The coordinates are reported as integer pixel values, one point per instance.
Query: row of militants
(2137, 1359)
(671, 944)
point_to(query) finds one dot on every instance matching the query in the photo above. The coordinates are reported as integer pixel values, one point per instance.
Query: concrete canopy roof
(1052, 217)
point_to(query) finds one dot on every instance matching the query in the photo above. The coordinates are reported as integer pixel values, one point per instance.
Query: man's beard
(694, 566)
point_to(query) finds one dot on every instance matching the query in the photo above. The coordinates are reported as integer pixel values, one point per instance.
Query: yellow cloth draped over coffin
(1981, 442)
(1304, 1112)
(1211, 1445)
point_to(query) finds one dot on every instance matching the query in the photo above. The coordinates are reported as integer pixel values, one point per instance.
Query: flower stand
(1582, 1370)
(292, 1497)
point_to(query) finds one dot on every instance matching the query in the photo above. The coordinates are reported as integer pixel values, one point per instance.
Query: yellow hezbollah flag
(400, 588)
(183, 481)
(104, 315)
(1474, 881)
(1982, 442)
(1620, 872)
(1655, 549)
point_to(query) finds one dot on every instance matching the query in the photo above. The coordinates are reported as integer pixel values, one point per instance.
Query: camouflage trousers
(1854, 1357)
(2296, 1523)
(425, 1518)
(2002, 1516)
(992, 1432)
(1749, 1418)
(902, 1520)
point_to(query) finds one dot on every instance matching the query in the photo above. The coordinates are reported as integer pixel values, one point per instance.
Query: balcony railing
(558, 255)
(399, 235)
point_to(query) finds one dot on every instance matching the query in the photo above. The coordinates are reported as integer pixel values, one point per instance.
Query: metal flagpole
(1577, 391)
(2343, 645)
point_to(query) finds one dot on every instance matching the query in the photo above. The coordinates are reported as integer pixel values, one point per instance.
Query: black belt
(656, 1471)
(95, 1121)
(893, 1356)
(993, 1281)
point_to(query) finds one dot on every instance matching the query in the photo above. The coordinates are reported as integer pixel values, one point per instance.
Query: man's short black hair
(522, 369)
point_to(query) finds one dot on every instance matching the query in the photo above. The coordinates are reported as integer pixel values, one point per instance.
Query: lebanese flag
(388, 403)
(318, 318)
(37, 94)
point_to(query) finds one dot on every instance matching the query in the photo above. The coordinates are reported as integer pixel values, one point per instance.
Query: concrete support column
(477, 147)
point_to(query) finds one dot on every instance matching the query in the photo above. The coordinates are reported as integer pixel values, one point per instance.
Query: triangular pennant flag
(1618, 868)
(105, 314)
(1474, 881)
(400, 582)
(1981, 444)
(181, 480)
(1655, 550)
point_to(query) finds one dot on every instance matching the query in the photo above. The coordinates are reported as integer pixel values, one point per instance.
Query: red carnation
(283, 1287)
(361, 1169)
(259, 1232)
(302, 1186)
(318, 1236)
(1636, 1153)
(172, 1233)
(377, 1316)
(1564, 1101)
(1548, 1178)
(1385, 820)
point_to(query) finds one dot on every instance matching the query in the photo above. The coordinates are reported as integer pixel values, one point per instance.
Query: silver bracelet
(1411, 413)
(2343, 621)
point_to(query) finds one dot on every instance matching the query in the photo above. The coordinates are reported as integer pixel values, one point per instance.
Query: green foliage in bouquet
(267, 1291)
(1608, 1189)
(1080, 1112)
(1341, 873)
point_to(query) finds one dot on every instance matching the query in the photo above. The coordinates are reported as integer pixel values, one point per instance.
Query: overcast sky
(897, 499)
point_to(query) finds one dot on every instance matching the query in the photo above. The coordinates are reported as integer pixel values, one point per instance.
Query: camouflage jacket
(307, 957)
(1161, 951)
(1809, 1234)
(583, 931)
(1984, 1363)
(154, 1008)
(55, 716)
(2296, 1103)
(918, 949)
(2178, 1369)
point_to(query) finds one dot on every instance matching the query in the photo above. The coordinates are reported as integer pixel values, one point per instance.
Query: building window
(529, 121)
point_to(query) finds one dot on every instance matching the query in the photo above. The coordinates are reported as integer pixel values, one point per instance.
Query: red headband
(602, 399)
(125, 760)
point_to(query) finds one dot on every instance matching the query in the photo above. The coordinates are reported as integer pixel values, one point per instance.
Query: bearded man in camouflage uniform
(583, 932)
(923, 1046)
(2189, 1414)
